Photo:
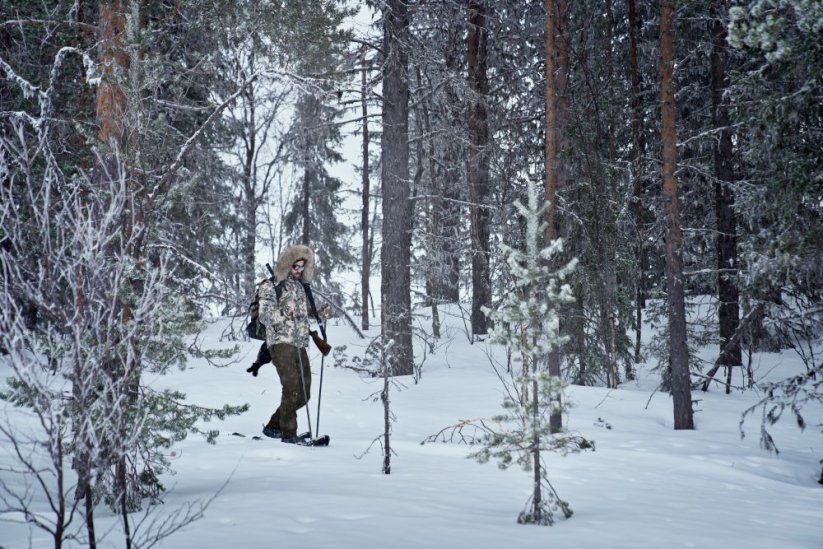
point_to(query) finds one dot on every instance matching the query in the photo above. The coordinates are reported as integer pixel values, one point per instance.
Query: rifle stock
(321, 344)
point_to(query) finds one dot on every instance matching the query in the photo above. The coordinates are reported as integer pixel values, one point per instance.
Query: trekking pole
(305, 395)
(320, 389)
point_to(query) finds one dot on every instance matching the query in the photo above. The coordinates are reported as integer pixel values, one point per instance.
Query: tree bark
(451, 212)
(537, 465)
(638, 149)
(557, 64)
(111, 100)
(384, 398)
(726, 244)
(550, 161)
(449, 196)
(310, 175)
(678, 347)
(397, 206)
(452, 220)
(365, 256)
(478, 165)
(111, 107)
(435, 256)
(305, 206)
(249, 198)
(442, 284)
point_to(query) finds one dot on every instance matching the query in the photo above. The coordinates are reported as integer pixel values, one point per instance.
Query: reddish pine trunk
(111, 101)
(678, 349)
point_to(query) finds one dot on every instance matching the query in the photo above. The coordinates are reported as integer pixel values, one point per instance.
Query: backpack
(255, 328)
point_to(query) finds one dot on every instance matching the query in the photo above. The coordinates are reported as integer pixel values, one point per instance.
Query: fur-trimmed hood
(287, 259)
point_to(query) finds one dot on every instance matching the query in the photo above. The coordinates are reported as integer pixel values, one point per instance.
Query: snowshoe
(305, 440)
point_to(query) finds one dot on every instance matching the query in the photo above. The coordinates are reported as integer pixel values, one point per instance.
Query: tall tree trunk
(397, 207)
(611, 286)
(537, 464)
(451, 215)
(248, 244)
(726, 243)
(550, 161)
(451, 212)
(387, 421)
(111, 107)
(111, 100)
(452, 220)
(678, 348)
(561, 22)
(611, 113)
(435, 257)
(435, 272)
(638, 148)
(305, 206)
(557, 63)
(120, 38)
(310, 176)
(478, 165)
(365, 256)
(249, 198)
(562, 69)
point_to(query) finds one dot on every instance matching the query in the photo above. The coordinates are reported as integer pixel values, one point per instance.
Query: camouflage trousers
(287, 361)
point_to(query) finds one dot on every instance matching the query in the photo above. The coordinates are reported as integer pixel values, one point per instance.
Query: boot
(272, 433)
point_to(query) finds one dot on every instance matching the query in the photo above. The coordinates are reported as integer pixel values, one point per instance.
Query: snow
(645, 486)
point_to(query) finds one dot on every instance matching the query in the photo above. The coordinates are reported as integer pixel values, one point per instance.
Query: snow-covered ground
(645, 486)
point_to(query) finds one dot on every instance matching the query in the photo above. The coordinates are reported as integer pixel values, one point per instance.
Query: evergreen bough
(527, 322)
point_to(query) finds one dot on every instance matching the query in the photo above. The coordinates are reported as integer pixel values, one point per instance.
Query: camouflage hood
(287, 259)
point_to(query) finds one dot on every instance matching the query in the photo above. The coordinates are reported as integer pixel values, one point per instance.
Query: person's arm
(268, 312)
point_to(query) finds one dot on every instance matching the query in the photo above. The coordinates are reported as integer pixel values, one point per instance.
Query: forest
(556, 170)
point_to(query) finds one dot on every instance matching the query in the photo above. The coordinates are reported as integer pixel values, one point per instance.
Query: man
(287, 335)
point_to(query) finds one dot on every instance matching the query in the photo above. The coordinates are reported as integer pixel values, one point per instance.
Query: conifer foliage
(91, 300)
(526, 321)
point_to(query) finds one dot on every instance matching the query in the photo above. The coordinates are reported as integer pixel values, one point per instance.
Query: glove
(321, 344)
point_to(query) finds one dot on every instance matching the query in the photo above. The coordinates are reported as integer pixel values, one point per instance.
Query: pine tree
(314, 137)
(526, 322)
(778, 99)
(312, 218)
(678, 348)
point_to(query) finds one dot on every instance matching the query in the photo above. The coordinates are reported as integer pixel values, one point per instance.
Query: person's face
(297, 268)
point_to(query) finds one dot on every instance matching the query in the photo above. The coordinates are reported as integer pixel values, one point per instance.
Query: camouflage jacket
(286, 321)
